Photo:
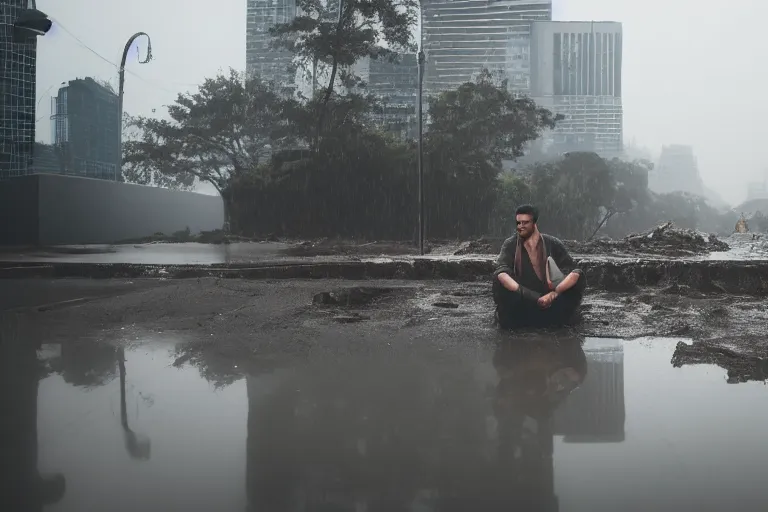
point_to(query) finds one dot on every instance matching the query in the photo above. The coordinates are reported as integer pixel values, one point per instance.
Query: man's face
(525, 225)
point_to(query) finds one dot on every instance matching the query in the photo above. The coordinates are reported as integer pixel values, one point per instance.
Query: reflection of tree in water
(86, 363)
(343, 436)
(91, 364)
(137, 445)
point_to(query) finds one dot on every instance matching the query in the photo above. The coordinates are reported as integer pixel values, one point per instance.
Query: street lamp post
(421, 148)
(121, 93)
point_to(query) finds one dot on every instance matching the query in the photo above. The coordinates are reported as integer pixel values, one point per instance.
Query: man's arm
(574, 276)
(505, 265)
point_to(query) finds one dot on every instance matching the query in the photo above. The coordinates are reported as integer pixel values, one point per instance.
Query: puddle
(538, 426)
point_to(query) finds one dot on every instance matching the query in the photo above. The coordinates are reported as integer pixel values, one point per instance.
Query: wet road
(538, 424)
(743, 247)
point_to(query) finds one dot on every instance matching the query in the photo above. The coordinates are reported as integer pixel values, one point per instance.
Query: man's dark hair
(528, 209)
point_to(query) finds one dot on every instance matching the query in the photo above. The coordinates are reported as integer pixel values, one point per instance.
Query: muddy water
(607, 426)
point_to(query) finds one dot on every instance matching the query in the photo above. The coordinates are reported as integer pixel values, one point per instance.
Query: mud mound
(664, 240)
(331, 247)
(479, 246)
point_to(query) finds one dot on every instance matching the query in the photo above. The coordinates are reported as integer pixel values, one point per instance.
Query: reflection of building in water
(22, 487)
(448, 436)
(595, 411)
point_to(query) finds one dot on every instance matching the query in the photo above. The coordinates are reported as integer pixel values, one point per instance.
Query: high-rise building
(576, 72)
(676, 171)
(261, 59)
(461, 37)
(85, 123)
(395, 84)
(17, 93)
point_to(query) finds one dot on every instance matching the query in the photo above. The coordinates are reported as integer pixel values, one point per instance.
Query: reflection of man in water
(535, 376)
(22, 488)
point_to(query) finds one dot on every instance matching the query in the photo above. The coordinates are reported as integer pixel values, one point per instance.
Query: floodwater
(540, 426)
(151, 254)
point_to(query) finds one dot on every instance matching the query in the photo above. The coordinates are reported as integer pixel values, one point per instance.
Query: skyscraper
(576, 72)
(461, 37)
(676, 170)
(17, 93)
(395, 84)
(261, 58)
(84, 122)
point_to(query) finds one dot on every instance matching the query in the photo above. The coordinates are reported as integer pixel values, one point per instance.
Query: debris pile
(664, 240)
(479, 246)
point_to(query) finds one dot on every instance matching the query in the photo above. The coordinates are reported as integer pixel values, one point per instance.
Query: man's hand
(546, 300)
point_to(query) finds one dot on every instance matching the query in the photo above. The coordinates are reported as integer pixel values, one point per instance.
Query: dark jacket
(553, 247)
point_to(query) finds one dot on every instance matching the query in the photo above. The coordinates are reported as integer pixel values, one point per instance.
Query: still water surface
(607, 426)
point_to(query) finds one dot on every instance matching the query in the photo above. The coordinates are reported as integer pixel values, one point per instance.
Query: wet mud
(263, 322)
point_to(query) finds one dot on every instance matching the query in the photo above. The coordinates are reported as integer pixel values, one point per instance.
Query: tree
(631, 190)
(472, 129)
(482, 122)
(218, 134)
(338, 33)
(513, 190)
(573, 194)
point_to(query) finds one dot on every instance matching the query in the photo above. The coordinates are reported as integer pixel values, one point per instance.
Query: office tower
(395, 84)
(17, 94)
(261, 59)
(676, 170)
(461, 37)
(85, 123)
(576, 72)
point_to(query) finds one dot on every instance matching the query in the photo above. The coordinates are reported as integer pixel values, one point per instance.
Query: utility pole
(421, 150)
(121, 93)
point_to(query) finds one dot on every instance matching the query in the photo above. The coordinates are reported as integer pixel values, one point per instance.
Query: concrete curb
(733, 277)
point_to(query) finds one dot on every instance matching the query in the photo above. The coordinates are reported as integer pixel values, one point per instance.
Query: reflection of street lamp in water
(137, 445)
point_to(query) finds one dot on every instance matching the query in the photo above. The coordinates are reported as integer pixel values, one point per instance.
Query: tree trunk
(608, 215)
(331, 82)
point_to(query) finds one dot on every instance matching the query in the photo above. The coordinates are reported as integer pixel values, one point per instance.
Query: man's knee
(501, 295)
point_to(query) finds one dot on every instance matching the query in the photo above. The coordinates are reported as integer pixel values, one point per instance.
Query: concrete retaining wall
(729, 277)
(49, 209)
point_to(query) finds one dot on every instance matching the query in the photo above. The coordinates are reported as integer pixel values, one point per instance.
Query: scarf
(539, 264)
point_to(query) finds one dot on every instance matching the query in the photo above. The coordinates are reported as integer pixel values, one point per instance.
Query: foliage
(337, 34)
(574, 194)
(216, 135)
(472, 129)
(512, 190)
(692, 212)
(481, 123)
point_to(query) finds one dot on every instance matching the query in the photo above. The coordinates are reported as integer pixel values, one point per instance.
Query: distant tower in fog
(677, 170)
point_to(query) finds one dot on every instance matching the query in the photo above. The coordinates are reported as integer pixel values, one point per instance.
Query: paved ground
(227, 320)
(741, 247)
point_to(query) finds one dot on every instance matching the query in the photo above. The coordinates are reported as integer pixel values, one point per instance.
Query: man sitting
(529, 287)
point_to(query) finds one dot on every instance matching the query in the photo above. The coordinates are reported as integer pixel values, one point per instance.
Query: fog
(692, 74)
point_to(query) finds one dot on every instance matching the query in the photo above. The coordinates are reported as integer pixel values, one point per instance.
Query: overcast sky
(694, 72)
